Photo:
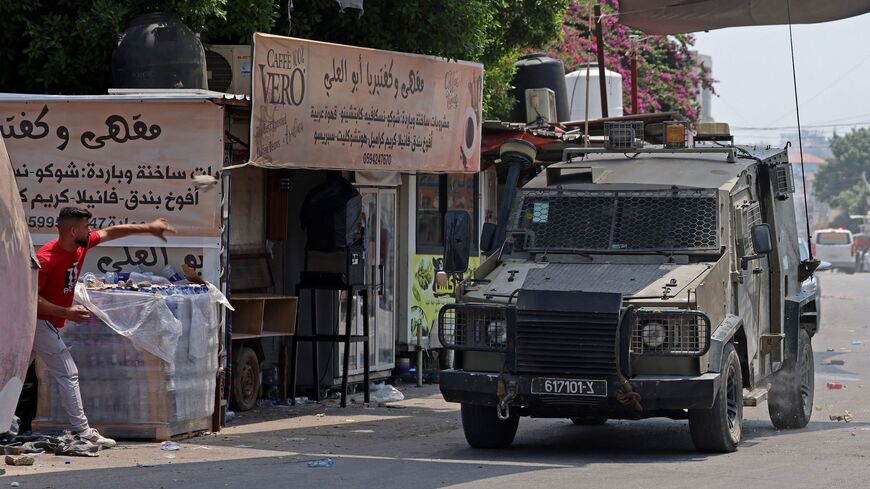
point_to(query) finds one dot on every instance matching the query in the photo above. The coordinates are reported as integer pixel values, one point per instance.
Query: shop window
(436, 194)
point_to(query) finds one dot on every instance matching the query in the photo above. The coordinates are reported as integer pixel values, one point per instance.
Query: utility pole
(599, 40)
(633, 53)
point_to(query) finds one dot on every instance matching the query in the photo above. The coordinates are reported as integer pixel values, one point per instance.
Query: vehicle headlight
(496, 333)
(473, 327)
(670, 331)
(654, 334)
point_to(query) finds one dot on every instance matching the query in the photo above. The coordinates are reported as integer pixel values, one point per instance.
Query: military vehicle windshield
(670, 220)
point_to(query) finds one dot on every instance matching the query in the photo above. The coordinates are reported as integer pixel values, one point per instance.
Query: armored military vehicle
(632, 282)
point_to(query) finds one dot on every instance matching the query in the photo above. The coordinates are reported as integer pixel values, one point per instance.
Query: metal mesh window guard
(750, 216)
(661, 332)
(473, 327)
(641, 220)
(783, 180)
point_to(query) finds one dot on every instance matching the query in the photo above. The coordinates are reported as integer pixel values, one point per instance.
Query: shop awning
(678, 16)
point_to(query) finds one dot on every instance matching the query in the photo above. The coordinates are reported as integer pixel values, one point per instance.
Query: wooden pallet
(155, 432)
(186, 436)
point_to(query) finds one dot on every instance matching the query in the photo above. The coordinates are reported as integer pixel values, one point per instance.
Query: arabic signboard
(103, 259)
(125, 161)
(320, 105)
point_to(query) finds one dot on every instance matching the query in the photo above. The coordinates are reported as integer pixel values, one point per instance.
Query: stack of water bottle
(144, 281)
(147, 357)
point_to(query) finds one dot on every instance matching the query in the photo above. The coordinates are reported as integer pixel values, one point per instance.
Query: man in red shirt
(61, 263)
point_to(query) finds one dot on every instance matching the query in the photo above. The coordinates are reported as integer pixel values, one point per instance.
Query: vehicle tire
(719, 429)
(246, 380)
(589, 420)
(790, 400)
(483, 429)
(849, 271)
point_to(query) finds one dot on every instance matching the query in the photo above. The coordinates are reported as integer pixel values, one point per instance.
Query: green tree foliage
(492, 32)
(66, 45)
(842, 183)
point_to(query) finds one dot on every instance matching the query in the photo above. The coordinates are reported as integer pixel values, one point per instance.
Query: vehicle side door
(751, 289)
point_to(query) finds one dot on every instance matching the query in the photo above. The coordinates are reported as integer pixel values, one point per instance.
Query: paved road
(421, 445)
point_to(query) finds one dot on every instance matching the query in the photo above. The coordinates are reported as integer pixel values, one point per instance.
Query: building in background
(818, 211)
(816, 150)
(814, 141)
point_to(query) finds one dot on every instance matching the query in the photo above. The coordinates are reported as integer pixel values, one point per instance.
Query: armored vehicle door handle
(512, 274)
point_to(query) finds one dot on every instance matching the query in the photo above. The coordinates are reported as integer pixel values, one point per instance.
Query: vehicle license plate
(569, 387)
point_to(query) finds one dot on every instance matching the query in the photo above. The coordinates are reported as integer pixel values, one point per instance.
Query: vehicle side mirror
(457, 241)
(487, 238)
(823, 265)
(762, 244)
(761, 240)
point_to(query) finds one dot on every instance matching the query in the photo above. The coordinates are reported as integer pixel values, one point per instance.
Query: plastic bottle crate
(130, 393)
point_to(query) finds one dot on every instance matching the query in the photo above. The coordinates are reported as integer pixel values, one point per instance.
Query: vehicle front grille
(550, 342)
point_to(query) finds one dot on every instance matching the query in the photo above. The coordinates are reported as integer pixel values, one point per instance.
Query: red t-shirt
(59, 273)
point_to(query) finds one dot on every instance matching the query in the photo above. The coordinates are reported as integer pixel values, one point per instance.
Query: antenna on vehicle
(800, 137)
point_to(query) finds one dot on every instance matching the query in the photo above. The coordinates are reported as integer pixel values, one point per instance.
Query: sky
(755, 89)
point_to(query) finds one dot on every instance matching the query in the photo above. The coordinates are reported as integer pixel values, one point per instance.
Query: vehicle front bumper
(657, 393)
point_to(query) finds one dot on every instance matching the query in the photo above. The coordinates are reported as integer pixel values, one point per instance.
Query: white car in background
(835, 246)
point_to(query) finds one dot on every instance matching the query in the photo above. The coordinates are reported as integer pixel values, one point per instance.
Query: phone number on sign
(97, 222)
(381, 159)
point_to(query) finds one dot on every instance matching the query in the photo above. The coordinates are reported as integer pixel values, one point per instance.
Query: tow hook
(505, 394)
(627, 396)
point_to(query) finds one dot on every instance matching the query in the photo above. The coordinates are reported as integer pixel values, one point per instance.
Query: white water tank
(576, 84)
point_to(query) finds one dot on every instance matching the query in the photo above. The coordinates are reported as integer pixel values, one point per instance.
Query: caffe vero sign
(328, 106)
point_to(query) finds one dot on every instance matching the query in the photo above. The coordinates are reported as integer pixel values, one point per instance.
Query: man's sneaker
(94, 436)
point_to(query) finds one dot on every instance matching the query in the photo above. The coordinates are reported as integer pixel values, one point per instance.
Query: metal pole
(599, 40)
(420, 355)
(586, 100)
(633, 54)
(225, 359)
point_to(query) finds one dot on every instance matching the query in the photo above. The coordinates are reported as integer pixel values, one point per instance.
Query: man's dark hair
(72, 214)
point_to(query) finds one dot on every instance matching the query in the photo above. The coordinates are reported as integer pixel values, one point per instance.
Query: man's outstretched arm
(158, 227)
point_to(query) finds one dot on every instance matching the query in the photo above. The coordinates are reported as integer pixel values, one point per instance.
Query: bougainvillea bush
(670, 77)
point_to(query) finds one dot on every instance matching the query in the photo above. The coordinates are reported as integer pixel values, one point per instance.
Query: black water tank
(539, 71)
(158, 51)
